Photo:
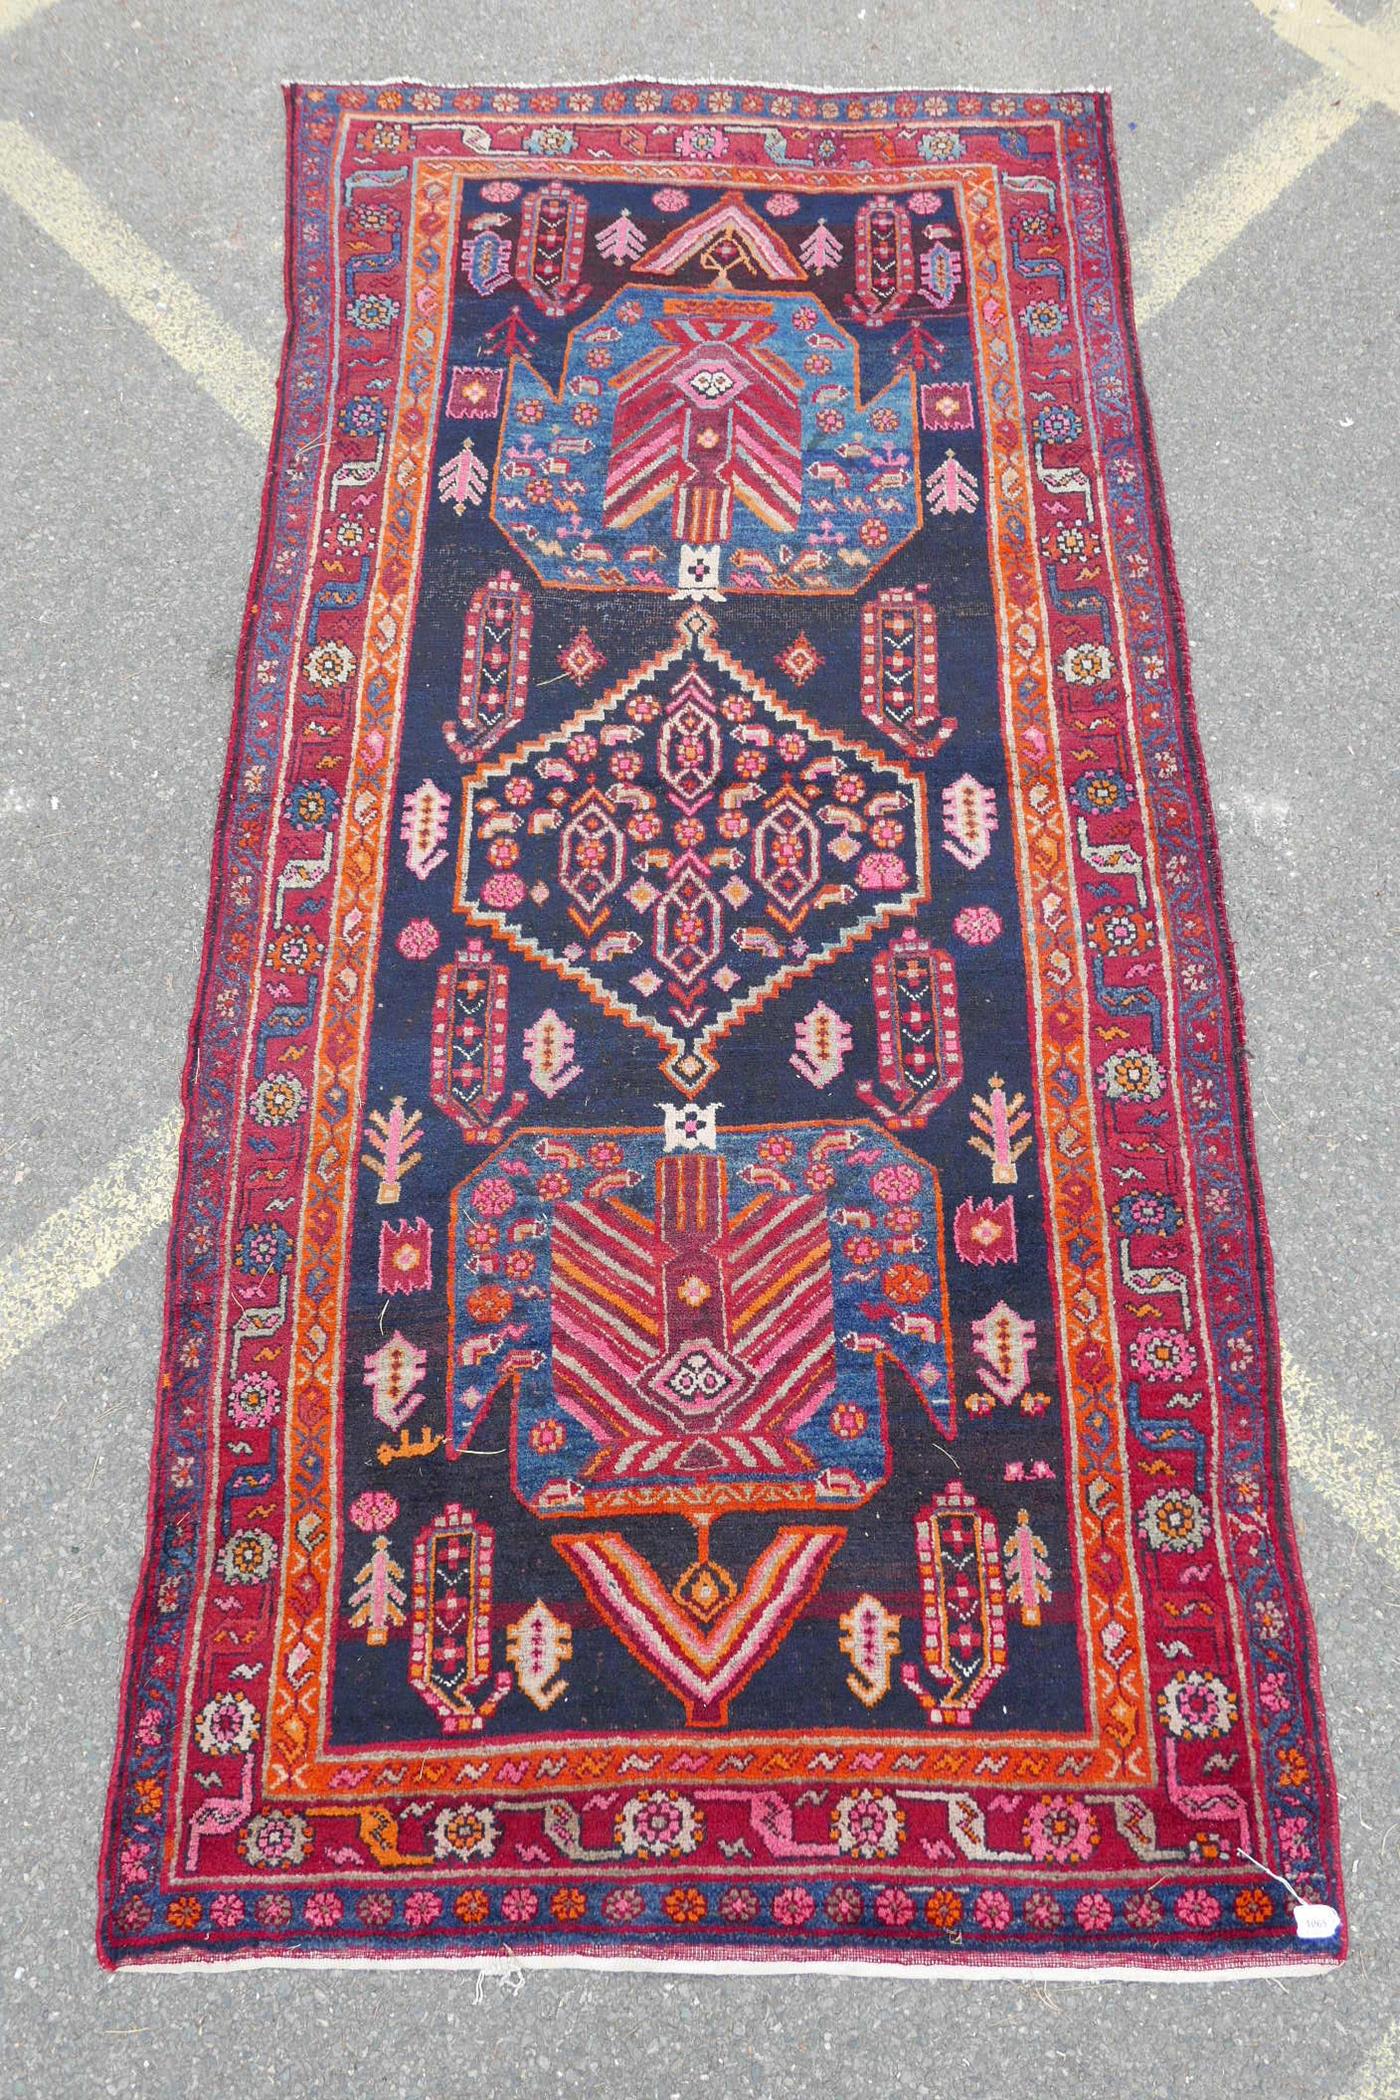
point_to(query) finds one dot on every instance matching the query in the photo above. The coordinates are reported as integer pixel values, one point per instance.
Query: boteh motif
(719, 1392)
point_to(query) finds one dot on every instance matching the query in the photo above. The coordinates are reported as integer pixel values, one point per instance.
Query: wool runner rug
(720, 1397)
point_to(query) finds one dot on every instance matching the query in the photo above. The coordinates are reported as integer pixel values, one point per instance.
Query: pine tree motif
(510, 337)
(1027, 1570)
(378, 1598)
(463, 479)
(951, 487)
(917, 351)
(821, 250)
(390, 1138)
(622, 241)
(998, 1124)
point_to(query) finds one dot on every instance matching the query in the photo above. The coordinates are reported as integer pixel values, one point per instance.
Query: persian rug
(720, 1397)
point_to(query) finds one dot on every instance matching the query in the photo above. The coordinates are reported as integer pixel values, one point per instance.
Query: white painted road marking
(1366, 55)
(1350, 1465)
(184, 325)
(79, 1246)
(15, 13)
(1216, 210)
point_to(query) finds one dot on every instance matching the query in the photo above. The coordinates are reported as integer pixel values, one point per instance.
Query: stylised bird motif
(221, 1816)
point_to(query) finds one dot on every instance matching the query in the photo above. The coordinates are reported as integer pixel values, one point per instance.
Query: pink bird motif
(225, 1813)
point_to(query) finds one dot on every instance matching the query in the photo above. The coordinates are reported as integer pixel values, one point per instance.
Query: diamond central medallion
(689, 846)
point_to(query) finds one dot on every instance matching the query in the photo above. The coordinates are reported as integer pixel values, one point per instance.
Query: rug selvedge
(781, 1739)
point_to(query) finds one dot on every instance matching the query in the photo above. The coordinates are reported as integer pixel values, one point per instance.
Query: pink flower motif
(133, 1866)
(150, 1728)
(418, 940)
(623, 1906)
(1143, 1911)
(893, 1907)
(1061, 1829)
(844, 1905)
(781, 205)
(882, 871)
(518, 1906)
(274, 1913)
(1293, 1841)
(896, 1184)
(792, 1906)
(254, 1401)
(978, 925)
(500, 192)
(670, 199)
(1197, 1908)
(1160, 1352)
(1273, 1692)
(738, 1906)
(1042, 1911)
(493, 1198)
(375, 1510)
(227, 1912)
(324, 1909)
(502, 891)
(422, 1909)
(992, 1910)
(701, 142)
(1094, 1912)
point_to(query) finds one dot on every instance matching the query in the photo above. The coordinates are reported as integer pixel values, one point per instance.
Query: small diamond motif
(800, 660)
(581, 659)
(704, 1590)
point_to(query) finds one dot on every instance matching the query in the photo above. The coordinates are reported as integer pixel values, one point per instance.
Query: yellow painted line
(1348, 1464)
(184, 325)
(15, 13)
(1366, 55)
(1216, 210)
(1379, 2077)
(80, 1246)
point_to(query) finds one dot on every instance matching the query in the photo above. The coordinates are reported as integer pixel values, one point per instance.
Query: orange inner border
(1119, 1746)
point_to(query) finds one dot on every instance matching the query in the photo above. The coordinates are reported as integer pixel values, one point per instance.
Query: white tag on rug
(1315, 1921)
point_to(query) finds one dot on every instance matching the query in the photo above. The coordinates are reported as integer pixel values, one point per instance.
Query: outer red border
(1188, 730)
(218, 861)
(707, 1955)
